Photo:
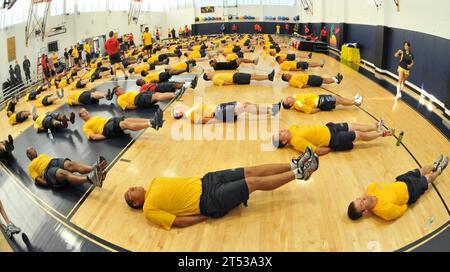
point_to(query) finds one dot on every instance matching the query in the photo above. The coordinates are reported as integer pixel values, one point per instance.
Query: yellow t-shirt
(141, 67)
(306, 102)
(152, 77)
(89, 74)
(288, 65)
(168, 198)
(147, 37)
(87, 48)
(299, 80)
(39, 101)
(231, 57)
(94, 125)
(55, 58)
(73, 85)
(12, 119)
(126, 99)
(38, 122)
(284, 56)
(309, 135)
(228, 49)
(392, 199)
(37, 166)
(196, 113)
(223, 78)
(62, 83)
(278, 27)
(75, 53)
(153, 58)
(73, 97)
(194, 55)
(196, 48)
(179, 66)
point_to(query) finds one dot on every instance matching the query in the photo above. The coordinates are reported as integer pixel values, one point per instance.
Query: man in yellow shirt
(224, 112)
(44, 101)
(231, 78)
(87, 51)
(98, 128)
(136, 100)
(11, 106)
(55, 60)
(389, 201)
(76, 56)
(90, 97)
(330, 137)
(6, 148)
(147, 41)
(156, 76)
(19, 117)
(288, 65)
(52, 121)
(291, 56)
(185, 201)
(313, 103)
(57, 172)
(306, 81)
(181, 67)
(230, 65)
(140, 67)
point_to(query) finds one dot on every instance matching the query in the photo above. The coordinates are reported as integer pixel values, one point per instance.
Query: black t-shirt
(66, 55)
(406, 59)
(70, 51)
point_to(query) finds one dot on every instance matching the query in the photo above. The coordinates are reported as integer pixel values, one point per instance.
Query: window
(122, 5)
(56, 7)
(206, 3)
(248, 2)
(279, 2)
(17, 14)
(70, 6)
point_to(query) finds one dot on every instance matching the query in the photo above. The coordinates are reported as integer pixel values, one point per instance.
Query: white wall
(79, 27)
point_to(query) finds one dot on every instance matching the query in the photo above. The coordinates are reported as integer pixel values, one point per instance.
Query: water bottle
(400, 138)
(50, 135)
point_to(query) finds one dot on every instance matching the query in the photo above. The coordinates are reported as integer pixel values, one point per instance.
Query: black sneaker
(126, 77)
(276, 108)
(311, 166)
(72, 117)
(303, 158)
(310, 55)
(339, 78)
(443, 165)
(109, 95)
(272, 75)
(194, 82)
(11, 140)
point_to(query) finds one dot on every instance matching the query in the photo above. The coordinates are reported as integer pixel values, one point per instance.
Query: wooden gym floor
(301, 216)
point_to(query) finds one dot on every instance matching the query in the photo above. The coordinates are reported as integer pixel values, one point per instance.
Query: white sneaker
(399, 95)
(380, 125)
(358, 99)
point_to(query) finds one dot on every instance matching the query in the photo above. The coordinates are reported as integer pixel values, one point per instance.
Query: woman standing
(404, 67)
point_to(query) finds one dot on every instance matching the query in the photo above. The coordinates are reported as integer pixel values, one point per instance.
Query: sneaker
(302, 159)
(380, 125)
(272, 75)
(443, 165)
(126, 77)
(437, 162)
(11, 141)
(358, 99)
(275, 109)
(389, 132)
(194, 82)
(298, 173)
(189, 68)
(11, 229)
(93, 177)
(310, 55)
(340, 77)
(109, 95)
(179, 93)
(72, 117)
(322, 63)
(399, 95)
(311, 166)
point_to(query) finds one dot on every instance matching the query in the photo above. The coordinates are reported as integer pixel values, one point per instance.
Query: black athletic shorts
(144, 100)
(86, 98)
(113, 59)
(45, 101)
(302, 65)
(11, 107)
(315, 81)
(231, 65)
(226, 112)
(416, 183)
(341, 138)
(88, 58)
(163, 57)
(125, 63)
(19, 118)
(50, 173)
(148, 47)
(80, 85)
(236, 49)
(33, 95)
(47, 122)
(327, 102)
(242, 78)
(222, 191)
(112, 127)
(290, 57)
(202, 53)
(240, 54)
(165, 87)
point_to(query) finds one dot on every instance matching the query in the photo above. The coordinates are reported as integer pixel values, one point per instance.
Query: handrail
(14, 91)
